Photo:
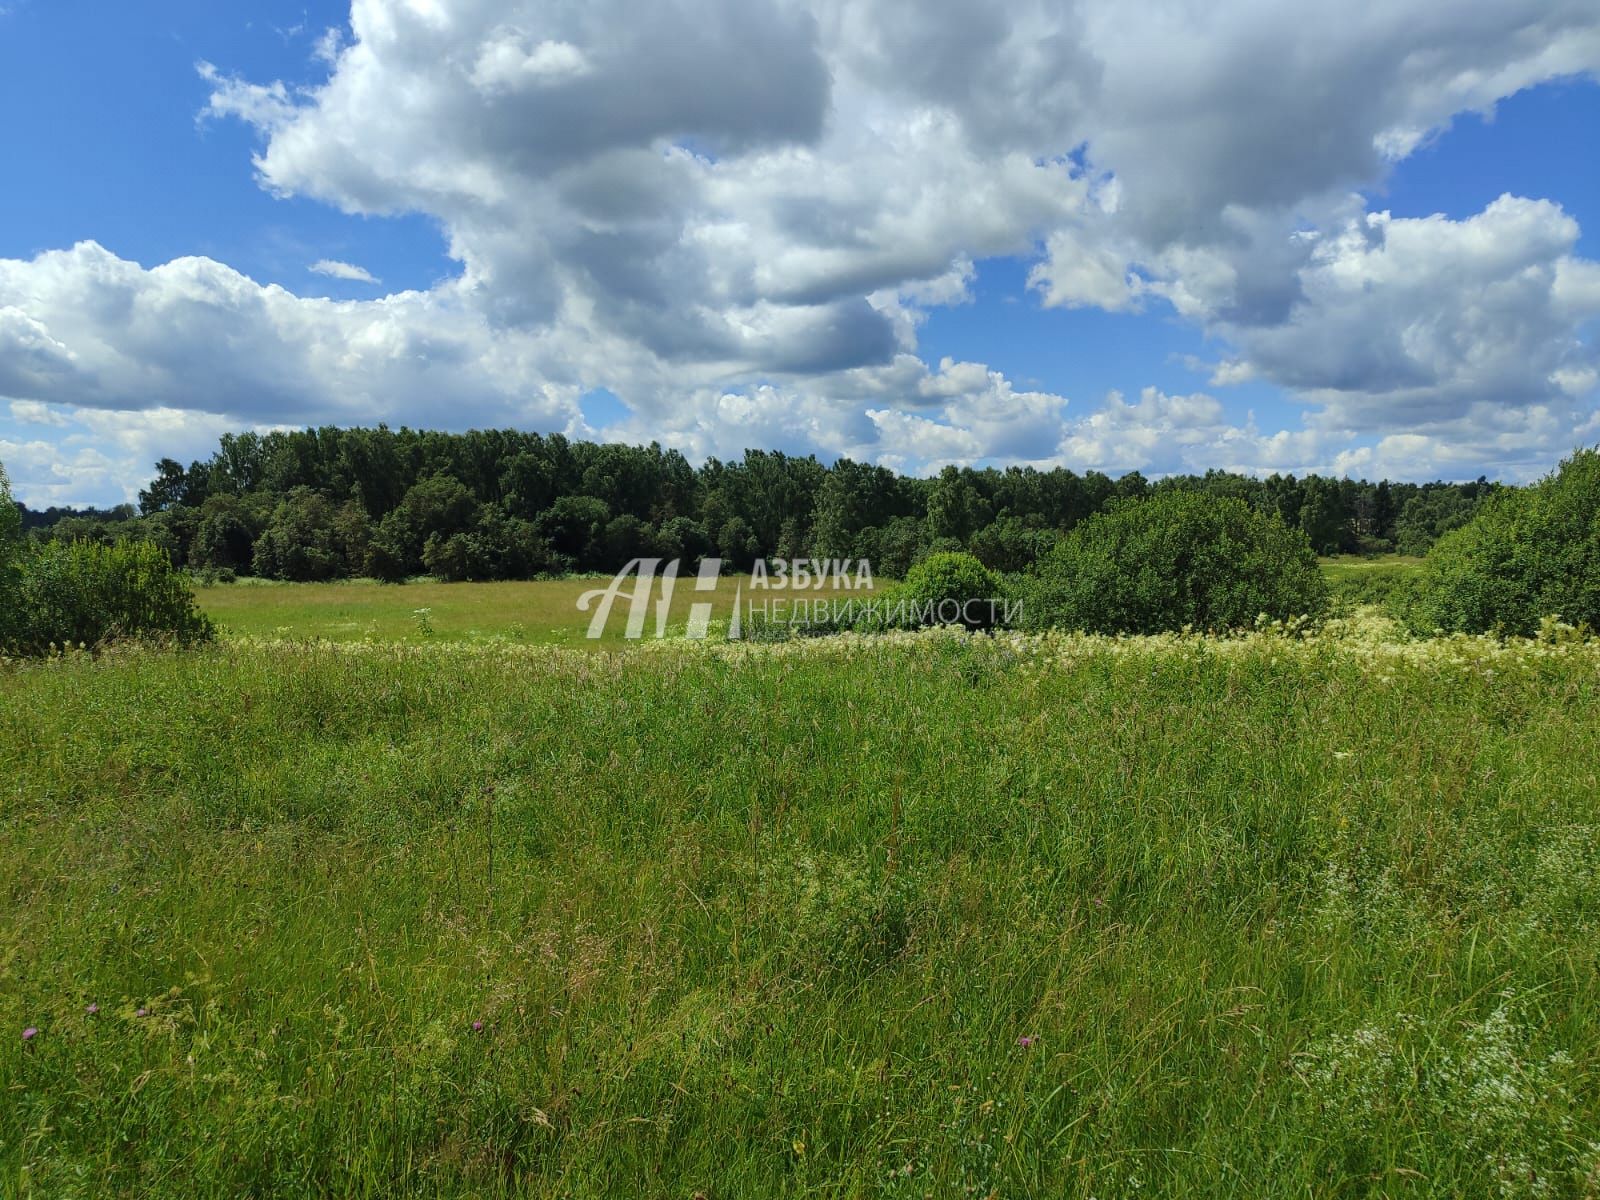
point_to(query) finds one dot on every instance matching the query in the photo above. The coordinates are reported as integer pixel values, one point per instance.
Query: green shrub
(10, 517)
(1176, 559)
(10, 549)
(1527, 554)
(951, 588)
(83, 593)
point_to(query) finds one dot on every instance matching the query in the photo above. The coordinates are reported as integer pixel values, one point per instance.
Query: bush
(89, 594)
(1527, 554)
(10, 550)
(1175, 560)
(952, 588)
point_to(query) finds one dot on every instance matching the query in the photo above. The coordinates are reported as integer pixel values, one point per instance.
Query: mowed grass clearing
(545, 611)
(530, 612)
(910, 916)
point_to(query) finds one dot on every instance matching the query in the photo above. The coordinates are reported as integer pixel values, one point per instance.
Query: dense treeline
(326, 503)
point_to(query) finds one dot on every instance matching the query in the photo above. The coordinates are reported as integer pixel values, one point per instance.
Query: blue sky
(843, 253)
(121, 156)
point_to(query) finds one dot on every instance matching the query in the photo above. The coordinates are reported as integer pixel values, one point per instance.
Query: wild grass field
(918, 915)
(1354, 581)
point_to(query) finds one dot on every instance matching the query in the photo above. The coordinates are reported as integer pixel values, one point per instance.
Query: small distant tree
(1322, 515)
(175, 487)
(454, 558)
(892, 548)
(298, 543)
(684, 539)
(737, 543)
(224, 537)
(1432, 513)
(574, 526)
(956, 510)
(955, 588)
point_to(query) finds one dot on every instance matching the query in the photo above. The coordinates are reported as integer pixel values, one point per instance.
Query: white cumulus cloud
(334, 269)
(735, 215)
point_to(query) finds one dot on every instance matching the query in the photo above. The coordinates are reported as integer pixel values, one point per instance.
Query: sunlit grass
(531, 612)
(1351, 566)
(1355, 581)
(545, 611)
(906, 916)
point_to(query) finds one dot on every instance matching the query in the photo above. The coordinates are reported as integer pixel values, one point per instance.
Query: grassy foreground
(914, 916)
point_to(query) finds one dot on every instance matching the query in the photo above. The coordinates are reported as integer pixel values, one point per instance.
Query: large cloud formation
(735, 213)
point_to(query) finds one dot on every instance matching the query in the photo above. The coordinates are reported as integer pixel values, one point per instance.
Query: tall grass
(909, 916)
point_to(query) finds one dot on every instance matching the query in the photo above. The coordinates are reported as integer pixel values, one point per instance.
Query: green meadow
(910, 916)
(521, 612)
(545, 612)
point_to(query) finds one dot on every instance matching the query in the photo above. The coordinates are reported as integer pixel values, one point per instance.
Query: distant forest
(500, 504)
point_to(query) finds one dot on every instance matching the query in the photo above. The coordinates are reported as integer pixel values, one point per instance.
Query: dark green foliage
(737, 543)
(175, 487)
(437, 507)
(956, 509)
(1322, 517)
(84, 593)
(10, 551)
(574, 526)
(1175, 560)
(10, 517)
(309, 539)
(952, 589)
(497, 547)
(593, 507)
(385, 559)
(685, 539)
(1010, 545)
(1433, 512)
(1527, 555)
(892, 549)
(226, 534)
